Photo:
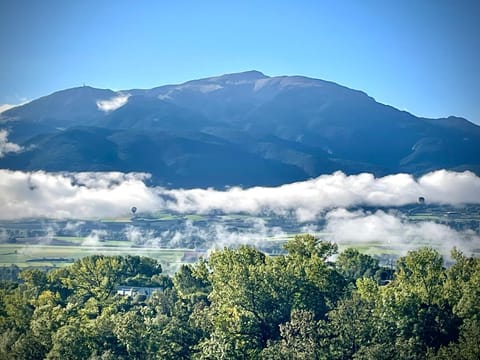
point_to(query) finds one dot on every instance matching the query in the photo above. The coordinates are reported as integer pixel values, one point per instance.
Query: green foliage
(248, 300)
(463, 286)
(350, 326)
(253, 295)
(421, 274)
(242, 304)
(300, 339)
(9, 273)
(192, 281)
(467, 348)
(27, 346)
(71, 342)
(353, 265)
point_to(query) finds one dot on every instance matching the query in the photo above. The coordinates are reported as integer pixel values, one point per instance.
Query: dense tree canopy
(308, 303)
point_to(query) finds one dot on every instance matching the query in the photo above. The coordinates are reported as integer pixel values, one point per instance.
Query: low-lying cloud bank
(111, 194)
(309, 199)
(75, 195)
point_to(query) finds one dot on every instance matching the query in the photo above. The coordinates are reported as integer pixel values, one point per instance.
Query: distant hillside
(236, 129)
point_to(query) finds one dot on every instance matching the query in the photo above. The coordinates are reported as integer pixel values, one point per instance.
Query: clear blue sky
(422, 56)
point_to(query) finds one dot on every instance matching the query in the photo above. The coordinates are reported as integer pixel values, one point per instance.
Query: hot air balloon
(134, 210)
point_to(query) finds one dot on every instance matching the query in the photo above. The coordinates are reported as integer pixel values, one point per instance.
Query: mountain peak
(247, 76)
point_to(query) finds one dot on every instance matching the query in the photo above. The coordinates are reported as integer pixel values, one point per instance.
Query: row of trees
(242, 304)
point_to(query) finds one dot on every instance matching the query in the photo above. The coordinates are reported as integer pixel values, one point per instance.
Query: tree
(34, 280)
(252, 294)
(353, 265)
(28, 346)
(191, 282)
(410, 314)
(300, 339)
(47, 317)
(316, 284)
(350, 326)
(71, 342)
(462, 287)
(98, 275)
(16, 309)
(421, 273)
(467, 348)
(95, 276)
(132, 333)
(248, 297)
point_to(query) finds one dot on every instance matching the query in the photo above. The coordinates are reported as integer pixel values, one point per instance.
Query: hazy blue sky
(422, 56)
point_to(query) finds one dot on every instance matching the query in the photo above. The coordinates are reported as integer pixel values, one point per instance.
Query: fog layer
(112, 194)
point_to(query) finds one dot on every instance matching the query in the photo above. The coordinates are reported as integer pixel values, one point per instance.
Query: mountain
(235, 129)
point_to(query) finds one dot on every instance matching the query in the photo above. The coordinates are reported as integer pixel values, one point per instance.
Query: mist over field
(208, 236)
(328, 204)
(395, 231)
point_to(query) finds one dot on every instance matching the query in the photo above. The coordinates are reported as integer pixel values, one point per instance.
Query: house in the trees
(132, 291)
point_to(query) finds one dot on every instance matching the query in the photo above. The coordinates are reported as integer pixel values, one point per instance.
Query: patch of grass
(75, 240)
(165, 216)
(194, 217)
(370, 250)
(238, 217)
(117, 220)
(19, 254)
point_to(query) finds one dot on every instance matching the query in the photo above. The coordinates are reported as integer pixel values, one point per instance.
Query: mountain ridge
(277, 129)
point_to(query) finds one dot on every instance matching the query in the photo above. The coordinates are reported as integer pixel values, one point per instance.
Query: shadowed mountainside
(236, 129)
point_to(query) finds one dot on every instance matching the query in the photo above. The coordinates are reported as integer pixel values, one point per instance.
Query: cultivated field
(181, 238)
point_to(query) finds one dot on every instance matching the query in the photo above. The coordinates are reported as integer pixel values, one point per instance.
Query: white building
(132, 291)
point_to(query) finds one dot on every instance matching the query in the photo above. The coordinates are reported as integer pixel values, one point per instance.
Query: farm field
(174, 238)
(60, 255)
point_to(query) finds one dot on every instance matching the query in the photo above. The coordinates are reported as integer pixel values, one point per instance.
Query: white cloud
(310, 199)
(140, 236)
(7, 147)
(95, 238)
(74, 226)
(78, 195)
(5, 107)
(114, 103)
(109, 194)
(3, 235)
(446, 186)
